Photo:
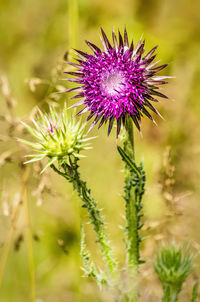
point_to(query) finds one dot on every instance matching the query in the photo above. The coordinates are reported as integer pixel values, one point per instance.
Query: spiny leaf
(127, 160)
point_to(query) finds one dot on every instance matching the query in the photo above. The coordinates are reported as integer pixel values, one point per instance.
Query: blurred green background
(34, 37)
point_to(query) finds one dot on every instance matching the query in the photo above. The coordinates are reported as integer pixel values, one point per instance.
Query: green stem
(170, 293)
(96, 220)
(59, 172)
(131, 217)
(94, 214)
(129, 139)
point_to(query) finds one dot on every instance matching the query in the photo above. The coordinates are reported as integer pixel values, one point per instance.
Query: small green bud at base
(173, 267)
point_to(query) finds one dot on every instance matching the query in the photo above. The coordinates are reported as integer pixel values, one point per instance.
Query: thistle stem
(97, 221)
(131, 217)
(94, 214)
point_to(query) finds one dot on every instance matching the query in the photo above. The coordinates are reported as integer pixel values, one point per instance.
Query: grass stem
(30, 244)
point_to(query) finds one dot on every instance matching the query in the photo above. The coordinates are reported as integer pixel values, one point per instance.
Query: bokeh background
(39, 248)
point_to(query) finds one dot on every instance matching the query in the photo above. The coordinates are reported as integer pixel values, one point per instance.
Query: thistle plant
(119, 84)
(116, 84)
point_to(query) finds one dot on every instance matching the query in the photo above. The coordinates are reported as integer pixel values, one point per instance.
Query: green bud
(57, 137)
(173, 267)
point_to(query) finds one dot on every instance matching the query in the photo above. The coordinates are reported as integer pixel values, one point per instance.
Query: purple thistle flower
(117, 82)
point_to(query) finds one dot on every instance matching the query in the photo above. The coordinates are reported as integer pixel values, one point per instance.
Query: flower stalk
(72, 174)
(134, 189)
(131, 216)
(131, 212)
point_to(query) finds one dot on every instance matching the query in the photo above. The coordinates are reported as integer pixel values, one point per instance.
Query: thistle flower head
(173, 266)
(57, 137)
(117, 82)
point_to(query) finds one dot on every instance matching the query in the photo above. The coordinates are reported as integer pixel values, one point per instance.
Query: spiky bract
(58, 137)
(172, 265)
(117, 82)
